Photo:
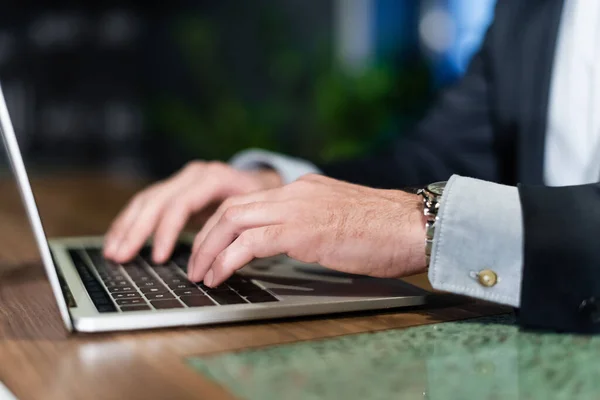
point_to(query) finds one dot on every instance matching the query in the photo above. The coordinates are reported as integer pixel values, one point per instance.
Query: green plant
(310, 106)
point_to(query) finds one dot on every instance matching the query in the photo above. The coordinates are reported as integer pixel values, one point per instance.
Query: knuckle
(232, 214)
(216, 166)
(299, 185)
(193, 166)
(137, 199)
(311, 177)
(174, 216)
(246, 239)
(233, 201)
(179, 204)
(197, 241)
(146, 192)
(220, 261)
(272, 232)
(154, 188)
(227, 203)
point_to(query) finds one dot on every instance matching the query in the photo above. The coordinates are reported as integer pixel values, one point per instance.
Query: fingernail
(159, 254)
(189, 264)
(110, 247)
(121, 250)
(208, 278)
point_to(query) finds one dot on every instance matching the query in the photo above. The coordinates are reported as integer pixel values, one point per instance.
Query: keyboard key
(148, 284)
(154, 289)
(134, 268)
(164, 270)
(140, 307)
(121, 289)
(264, 297)
(100, 262)
(176, 280)
(78, 261)
(111, 283)
(164, 304)
(203, 286)
(95, 291)
(143, 278)
(220, 288)
(188, 292)
(130, 295)
(224, 298)
(184, 285)
(130, 302)
(181, 255)
(116, 284)
(106, 308)
(104, 272)
(197, 301)
(245, 288)
(146, 252)
(101, 300)
(113, 277)
(98, 295)
(158, 296)
(237, 278)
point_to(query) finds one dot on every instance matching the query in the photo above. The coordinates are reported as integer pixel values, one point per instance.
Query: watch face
(437, 188)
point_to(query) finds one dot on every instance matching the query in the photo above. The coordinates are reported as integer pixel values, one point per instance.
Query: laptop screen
(18, 167)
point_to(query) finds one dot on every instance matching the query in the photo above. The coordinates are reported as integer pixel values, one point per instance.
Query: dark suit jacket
(492, 126)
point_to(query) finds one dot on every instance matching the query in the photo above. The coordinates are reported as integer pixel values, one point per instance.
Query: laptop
(95, 295)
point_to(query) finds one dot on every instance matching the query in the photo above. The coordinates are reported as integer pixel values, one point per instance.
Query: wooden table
(39, 360)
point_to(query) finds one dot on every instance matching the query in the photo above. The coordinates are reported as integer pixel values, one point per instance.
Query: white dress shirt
(573, 129)
(470, 239)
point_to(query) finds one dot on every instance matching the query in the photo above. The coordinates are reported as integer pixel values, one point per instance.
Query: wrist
(419, 260)
(415, 241)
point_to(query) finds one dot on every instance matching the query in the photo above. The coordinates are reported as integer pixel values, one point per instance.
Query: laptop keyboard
(141, 285)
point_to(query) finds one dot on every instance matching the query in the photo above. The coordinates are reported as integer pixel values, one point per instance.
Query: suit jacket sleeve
(456, 136)
(561, 275)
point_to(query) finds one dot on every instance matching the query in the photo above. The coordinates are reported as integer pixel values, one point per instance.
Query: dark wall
(81, 78)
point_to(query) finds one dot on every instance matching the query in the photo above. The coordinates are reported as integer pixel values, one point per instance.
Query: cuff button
(487, 278)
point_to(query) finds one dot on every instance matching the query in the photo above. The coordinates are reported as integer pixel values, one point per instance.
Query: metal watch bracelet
(431, 203)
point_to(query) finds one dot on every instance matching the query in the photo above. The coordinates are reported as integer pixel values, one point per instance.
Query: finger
(146, 221)
(140, 230)
(169, 226)
(175, 217)
(263, 196)
(121, 224)
(254, 243)
(233, 222)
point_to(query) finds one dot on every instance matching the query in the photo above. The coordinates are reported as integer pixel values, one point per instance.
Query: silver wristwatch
(432, 196)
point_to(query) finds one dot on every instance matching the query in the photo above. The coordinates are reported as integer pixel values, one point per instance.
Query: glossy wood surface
(39, 360)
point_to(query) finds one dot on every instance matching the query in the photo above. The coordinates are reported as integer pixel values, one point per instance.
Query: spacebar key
(224, 298)
(165, 304)
(197, 301)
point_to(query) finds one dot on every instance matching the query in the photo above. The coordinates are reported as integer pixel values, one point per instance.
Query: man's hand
(164, 208)
(342, 226)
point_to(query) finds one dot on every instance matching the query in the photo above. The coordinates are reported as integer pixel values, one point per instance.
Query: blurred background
(141, 87)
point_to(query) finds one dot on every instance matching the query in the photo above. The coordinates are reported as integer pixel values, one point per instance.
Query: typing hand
(339, 225)
(164, 208)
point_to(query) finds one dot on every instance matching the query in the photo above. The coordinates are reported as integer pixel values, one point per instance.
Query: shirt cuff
(288, 168)
(480, 227)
